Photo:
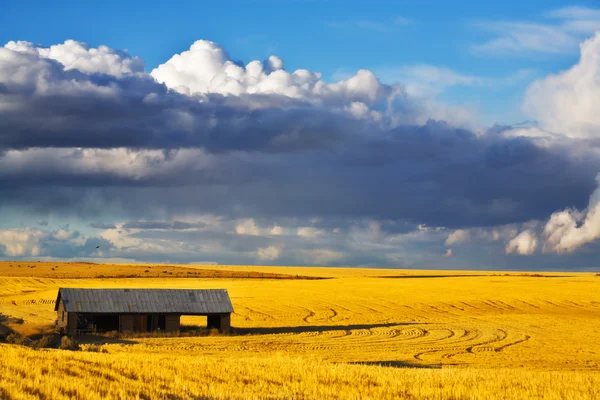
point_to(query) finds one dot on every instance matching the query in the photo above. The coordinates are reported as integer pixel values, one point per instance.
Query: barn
(139, 310)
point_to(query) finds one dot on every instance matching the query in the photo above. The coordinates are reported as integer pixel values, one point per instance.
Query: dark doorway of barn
(155, 322)
(97, 322)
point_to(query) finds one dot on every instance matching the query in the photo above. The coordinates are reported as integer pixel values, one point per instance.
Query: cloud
(268, 253)
(20, 242)
(207, 68)
(321, 256)
(449, 253)
(42, 223)
(308, 232)
(575, 13)
(162, 225)
(567, 102)
(570, 229)
(101, 225)
(228, 161)
(247, 227)
(29, 242)
(276, 230)
(79, 56)
(559, 32)
(457, 237)
(524, 243)
(426, 80)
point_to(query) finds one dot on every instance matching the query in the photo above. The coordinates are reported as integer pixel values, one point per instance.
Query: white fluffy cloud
(570, 229)
(207, 68)
(21, 242)
(76, 55)
(524, 243)
(567, 102)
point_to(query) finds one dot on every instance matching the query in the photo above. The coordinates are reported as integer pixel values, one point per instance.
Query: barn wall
(140, 323)
(71, 323)
(126, 323)
(61, 316)
(172, 322)
(225, 323)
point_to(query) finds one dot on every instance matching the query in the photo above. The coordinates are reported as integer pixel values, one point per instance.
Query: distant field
(91, 270)
(362, 334)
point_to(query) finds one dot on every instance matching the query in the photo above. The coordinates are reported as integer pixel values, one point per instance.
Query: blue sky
(422, 159)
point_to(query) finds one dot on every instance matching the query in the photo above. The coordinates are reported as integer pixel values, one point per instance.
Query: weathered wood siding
(140, 323)
(225, 323)
(71, 323)
(172, 323)
(126, 323)
(61, 316)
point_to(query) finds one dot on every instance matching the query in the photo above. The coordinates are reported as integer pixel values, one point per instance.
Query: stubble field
(358, 334)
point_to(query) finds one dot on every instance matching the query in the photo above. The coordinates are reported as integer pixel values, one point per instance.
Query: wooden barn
(139, 310)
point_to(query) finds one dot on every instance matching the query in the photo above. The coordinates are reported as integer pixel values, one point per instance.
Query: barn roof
(177, 301)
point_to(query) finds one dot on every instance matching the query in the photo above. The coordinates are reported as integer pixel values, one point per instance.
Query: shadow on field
(98, 339)
(316, 328)
(398, 364)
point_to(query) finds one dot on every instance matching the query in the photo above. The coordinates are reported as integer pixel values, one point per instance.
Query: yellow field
(361, 334)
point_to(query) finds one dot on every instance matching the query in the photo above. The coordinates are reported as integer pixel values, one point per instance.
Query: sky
(396, 134)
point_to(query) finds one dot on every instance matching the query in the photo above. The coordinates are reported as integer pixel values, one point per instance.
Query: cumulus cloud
(567, 102)
(21, 242)
(207, 68)
(80, 56)
(29, 242)
(570, 229)
(524, 243)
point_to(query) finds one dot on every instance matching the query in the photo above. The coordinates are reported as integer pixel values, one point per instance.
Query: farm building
(139, 310)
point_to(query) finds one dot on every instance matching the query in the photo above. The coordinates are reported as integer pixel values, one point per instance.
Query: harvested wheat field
(375, 334)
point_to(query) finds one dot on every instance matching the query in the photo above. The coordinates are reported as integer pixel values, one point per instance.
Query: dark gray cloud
(432, 174)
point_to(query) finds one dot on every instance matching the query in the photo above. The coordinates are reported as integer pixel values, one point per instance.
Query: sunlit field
(359, 334)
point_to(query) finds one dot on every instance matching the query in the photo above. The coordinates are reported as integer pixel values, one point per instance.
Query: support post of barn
(222, 322)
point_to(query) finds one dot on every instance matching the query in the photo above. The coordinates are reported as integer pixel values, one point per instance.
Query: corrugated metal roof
(180, 301)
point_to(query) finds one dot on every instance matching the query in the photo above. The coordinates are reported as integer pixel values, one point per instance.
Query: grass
(358, 335)
(94, 375)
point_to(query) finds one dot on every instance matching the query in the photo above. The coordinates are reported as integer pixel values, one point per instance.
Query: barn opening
(98, 322)
(139, 310)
